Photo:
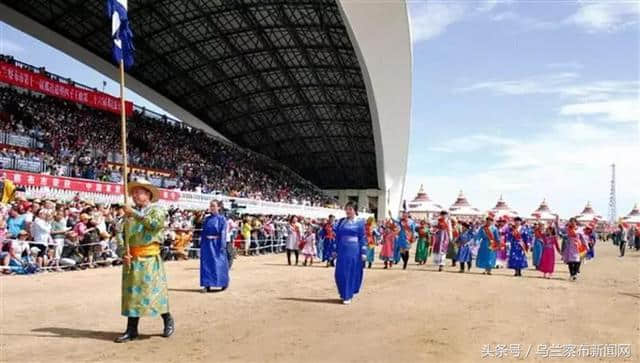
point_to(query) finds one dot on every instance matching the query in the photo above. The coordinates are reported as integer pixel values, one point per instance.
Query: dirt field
(273, 312)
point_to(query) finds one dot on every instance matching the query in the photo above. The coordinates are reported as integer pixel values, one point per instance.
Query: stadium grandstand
(287, 102)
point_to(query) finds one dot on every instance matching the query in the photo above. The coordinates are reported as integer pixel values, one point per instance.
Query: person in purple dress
(573, 243)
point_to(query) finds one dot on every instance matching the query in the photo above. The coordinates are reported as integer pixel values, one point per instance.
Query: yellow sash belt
(145, 251)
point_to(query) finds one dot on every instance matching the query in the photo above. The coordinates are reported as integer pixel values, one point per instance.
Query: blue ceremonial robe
(517, 255)
(464, 253)
(486, 258)
(319, 244)
(214, 262)
(536, 253)
(352, 246)
(402, 241)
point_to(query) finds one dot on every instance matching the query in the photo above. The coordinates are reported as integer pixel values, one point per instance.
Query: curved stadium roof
(278, 77)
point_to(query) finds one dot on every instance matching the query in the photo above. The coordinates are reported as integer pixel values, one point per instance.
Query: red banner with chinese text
(76, 185)
(38, 83)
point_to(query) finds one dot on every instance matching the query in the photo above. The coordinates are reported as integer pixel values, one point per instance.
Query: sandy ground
(273, 312)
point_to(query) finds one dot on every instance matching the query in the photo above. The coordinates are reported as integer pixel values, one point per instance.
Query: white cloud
(488, 5)
(566, 84)
(624, 110)
(430, 19)
(524, 21)
(567, 164)
(592, 16)
(607, 16)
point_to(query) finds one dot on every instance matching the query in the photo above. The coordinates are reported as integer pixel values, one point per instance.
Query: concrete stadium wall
(380, 33)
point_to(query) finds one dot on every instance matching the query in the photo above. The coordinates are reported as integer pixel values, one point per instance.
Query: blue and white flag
(120, 32)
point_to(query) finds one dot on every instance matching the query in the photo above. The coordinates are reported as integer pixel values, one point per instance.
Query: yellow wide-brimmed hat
(145, 184)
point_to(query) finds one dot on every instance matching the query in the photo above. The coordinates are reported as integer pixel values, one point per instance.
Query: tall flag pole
(123, 49)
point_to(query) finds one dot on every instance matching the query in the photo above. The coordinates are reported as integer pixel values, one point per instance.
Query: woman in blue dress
(214, 262)
(351, 244)
(519, 240)
(538, 243)
(464, 250)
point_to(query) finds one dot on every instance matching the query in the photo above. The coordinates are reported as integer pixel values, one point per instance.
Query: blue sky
(528, 99)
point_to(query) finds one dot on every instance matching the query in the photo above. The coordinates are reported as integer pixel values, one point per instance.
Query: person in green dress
(424, 239)
(144, 281)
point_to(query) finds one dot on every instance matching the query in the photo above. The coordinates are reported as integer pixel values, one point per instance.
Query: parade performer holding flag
(144, 282)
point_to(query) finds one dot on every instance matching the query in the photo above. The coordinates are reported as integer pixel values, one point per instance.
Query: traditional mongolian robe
(144, 282)
(490, 242)
(388, 241)
(452, 247)
(590, 238)
(405, 237)
(548, 256)
(328, 235)
(465, 241)
(519, 240)
(214, 262)
(538, 242)
(502, 253)
(441, 241)
(372, 235)
(573, 245)
(422, 247)
(352, 247)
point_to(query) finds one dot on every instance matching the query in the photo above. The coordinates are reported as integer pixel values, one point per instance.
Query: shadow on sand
(54, 332)
(307, 300)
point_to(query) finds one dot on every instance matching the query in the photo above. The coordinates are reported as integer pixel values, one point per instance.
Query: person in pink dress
(308, 245)
(549, 248)
(390, 233)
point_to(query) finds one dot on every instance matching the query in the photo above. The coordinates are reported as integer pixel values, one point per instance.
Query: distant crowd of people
(82, 142)
(46, 235)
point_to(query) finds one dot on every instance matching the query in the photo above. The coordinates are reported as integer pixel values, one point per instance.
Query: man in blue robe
(214, 262)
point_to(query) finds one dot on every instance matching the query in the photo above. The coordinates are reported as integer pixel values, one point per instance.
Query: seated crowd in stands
(81, 142)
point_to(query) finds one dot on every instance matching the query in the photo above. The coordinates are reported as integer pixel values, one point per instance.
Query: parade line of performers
(348, 244)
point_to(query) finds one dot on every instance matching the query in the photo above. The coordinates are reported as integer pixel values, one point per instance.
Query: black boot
(369, 264)
(131, 333)
(169, 325)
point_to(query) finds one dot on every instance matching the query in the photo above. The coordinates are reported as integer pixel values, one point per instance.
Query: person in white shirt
(41, 234)
(20, 245)
(41, 228)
